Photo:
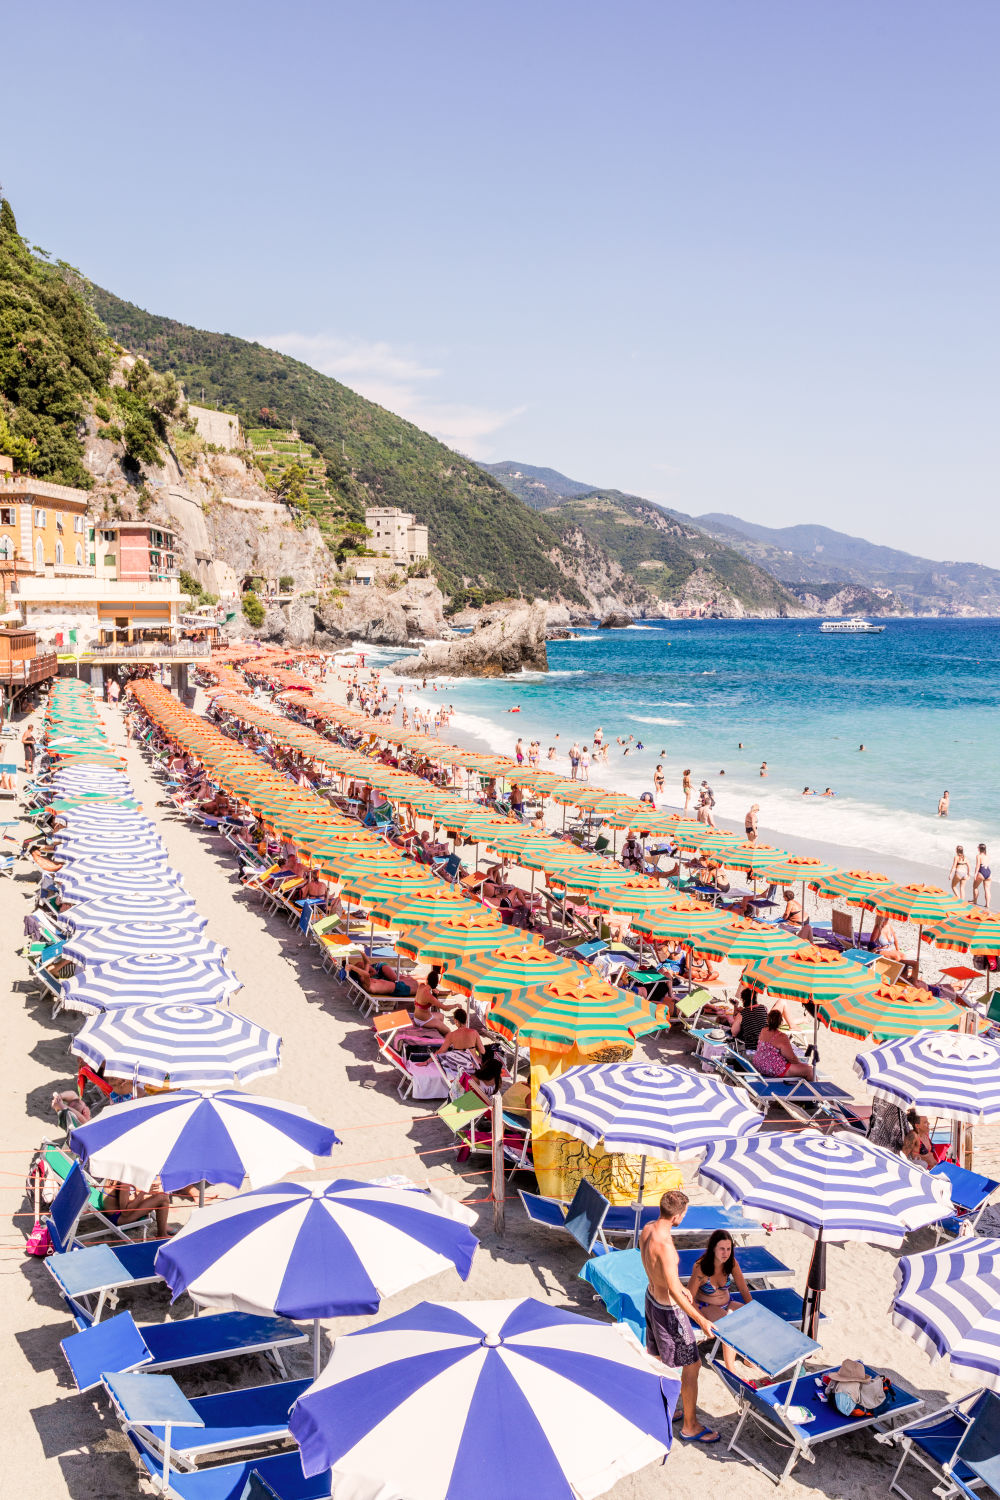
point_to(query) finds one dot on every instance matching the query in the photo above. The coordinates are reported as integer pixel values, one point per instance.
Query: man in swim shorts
(670, 1312)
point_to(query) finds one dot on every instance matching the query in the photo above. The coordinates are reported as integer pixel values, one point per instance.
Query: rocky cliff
(513, 643)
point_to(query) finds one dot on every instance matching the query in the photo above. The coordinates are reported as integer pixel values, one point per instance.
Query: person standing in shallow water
(686, 788)
(944, 804)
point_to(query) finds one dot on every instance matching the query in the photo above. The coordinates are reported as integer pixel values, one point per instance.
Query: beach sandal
(704, 1435)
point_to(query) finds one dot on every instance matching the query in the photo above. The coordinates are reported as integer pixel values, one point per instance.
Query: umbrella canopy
(89, 885)
(598, 876)
(974, 930)
(856, 887)
(888, 1010)
(579, 1012)
(948, 1301)
(103, 945)
(316, 1249)
(200, 1046)
(916, 903)
(443, 942)
(150, 979)
(76, 842)
(682, 920)
(89, 857)
(951, 1074)
(743, 941)
(515, 970)
(431, 906)
(795, 867)
(635, 895)
(646, 1108)
(409, 880)
(837, 1185)
(810, 973)
(108, 911)
(757, 857)
(185, 1137)
(531, 1390)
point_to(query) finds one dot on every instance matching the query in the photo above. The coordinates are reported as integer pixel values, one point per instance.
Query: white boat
(850, 627)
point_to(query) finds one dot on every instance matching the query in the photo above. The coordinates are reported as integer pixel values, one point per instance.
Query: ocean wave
(667, 703)
(638, 719)
(528, 674)
(583, 638)
(637, 627)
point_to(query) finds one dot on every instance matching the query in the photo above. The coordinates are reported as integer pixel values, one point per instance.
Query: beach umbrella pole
(315, 1348)
(638, 1205)
(815, 1286)
(201, 1193)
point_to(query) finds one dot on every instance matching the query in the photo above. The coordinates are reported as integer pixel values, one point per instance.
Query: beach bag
(852, 1392)
(39, 1242)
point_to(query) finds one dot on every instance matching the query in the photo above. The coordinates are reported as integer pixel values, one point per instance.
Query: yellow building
(43, 527)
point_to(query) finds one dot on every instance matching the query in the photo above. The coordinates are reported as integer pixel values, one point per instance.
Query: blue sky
(732, 256)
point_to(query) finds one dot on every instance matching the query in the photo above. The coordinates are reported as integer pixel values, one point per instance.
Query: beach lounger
(77, 1199)
(120, 1345)
(93, 1275)
(794, 1412)
(619, 1279)
(933, 1442)
(242, 1418)
(469, 1118)
(417, 1080)
(817, 1102)
(279, 1475)
(583, 1220)
(971, 1195)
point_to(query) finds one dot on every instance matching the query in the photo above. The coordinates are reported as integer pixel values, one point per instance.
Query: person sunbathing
(775, 1056)
(884, 941)
(428, 1012)
(793, 913)
(129, 1203)
(380, 978)
(461, 1037)
(697, 968)
(911, 1150)
(717, 1284)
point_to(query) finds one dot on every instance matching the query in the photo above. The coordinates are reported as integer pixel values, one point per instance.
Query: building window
(109, 562)
(39, 553)
(59, 523)
(80, 524)
(107, 536)
(8, 515)
(40, 519)
(79, 554)
(6, 548)
(59, 554)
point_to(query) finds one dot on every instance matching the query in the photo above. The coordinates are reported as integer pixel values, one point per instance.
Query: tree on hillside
(289, 485)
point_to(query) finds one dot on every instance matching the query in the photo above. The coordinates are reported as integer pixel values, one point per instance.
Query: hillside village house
(396, 535)
(135, 552)
(43, 527)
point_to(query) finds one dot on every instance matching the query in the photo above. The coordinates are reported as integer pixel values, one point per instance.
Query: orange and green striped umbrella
(810, 974)
(598, 876)
(796, 867)
(853, 886)
(447, 942)
(685, 924)
(408, 910)
(888, 1011)
(410, 879)
(916, 903)
(755, 857)
(534, 847)
(576, 794)
(638, 895)
(553, 854)
(511, 972)
(540, 781)
(575, 1012)
(741, 941)
(975, 930)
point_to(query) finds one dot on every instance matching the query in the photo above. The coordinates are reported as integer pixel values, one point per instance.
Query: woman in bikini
(775, 1056)
(381, 979)
(717, 1284)
(982, 875)
(427, 1011)
(960, 872)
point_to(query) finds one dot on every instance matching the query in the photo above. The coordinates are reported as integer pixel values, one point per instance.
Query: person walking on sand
(943, 805)
(584, 763)
(574, 760)
(670, 1313)
(750, 823)
(28, 741)
(659, 782)
(981, 877)
(519, 752)
(959, 873)
(686, 788)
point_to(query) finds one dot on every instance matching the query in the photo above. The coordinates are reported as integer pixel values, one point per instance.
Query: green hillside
(482, 540)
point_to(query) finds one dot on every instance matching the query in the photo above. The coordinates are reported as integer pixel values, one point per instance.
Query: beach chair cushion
(235, 1419)
(162, 1346)
(583, 1219)
(979, 1449)
(280, 1474)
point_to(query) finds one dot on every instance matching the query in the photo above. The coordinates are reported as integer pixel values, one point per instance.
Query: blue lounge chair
(78, 1199)
(979, 1451)
(619, 1280)
(279, 1476)
(794, 1412)
(226, 1422)
(583, 1219)
(971, 1194)
(812, 1102)
(119, 1345)
(102, 1271)
(933, 1441)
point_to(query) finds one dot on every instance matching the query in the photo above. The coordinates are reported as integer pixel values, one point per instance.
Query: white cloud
(397, 380)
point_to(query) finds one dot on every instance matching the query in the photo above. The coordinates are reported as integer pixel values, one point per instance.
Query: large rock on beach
(617, 619)
(512, 644)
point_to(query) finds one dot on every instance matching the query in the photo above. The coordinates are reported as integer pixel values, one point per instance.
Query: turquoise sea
(921, 697)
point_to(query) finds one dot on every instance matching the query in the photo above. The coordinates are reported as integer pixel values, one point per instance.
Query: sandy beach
(68, 1445)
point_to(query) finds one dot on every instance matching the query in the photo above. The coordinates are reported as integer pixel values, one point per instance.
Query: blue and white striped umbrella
(103, 945)
(202, 1046)
(106, 911)
(645, 1108)
(89, 886)
(80, 822)
(839, 1185)
(75, 843)
(948, 1300)
(113, 861)
(539, 1401)
(317, 1249)
(185, 1137)
(150, 979)
(948, 1073)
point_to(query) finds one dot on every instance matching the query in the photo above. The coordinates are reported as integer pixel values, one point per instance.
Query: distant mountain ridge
(806, 555)
(690, 572)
